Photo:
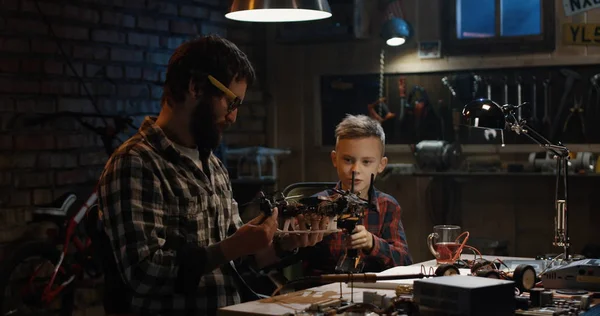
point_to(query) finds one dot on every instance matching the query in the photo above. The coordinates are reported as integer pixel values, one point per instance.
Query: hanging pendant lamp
(395, 31)
(278, 10)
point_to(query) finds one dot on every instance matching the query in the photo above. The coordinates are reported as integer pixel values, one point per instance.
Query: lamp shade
(395, 31)
(279, 10)
(484, 113)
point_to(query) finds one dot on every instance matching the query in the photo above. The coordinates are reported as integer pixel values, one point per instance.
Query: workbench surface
(298, 301)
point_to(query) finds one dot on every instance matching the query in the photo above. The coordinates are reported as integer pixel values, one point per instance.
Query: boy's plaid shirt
(389, 240)
(150, 195)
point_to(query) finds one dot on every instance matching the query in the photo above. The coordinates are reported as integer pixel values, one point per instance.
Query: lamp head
(395, 31)
(484, 113)
(279, 10)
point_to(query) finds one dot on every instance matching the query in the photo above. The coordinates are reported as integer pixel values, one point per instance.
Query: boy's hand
(361, 238)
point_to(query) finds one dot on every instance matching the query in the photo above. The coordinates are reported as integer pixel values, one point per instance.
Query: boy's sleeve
(391, 247)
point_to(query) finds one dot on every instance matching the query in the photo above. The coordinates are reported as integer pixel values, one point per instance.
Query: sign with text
(573, 7)
(581, 34)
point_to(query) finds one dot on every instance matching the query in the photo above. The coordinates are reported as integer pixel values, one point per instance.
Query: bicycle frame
(70, 225)
(48, 294)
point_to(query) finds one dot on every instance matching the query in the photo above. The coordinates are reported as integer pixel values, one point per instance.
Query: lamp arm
(561, 236)
(521, 127)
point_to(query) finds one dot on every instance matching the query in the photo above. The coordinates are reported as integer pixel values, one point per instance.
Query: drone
(345, 209)
(523, 275)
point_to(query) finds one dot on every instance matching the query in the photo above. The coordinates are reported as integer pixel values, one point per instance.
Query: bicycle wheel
(25, 274)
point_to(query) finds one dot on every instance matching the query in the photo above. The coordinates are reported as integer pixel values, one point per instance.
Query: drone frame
(345, 209)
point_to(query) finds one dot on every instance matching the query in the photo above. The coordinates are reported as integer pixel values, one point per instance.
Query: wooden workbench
(301, 300)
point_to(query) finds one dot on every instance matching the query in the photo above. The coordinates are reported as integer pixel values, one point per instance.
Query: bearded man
(166, 201)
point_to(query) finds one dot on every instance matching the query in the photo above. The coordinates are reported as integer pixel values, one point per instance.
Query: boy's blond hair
(359, 126)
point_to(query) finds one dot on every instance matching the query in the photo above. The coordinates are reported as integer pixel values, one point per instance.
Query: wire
(462, 245)
(550, 264)
(475, 251)
(68, 60)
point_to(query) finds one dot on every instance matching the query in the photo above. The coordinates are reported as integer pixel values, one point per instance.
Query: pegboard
(440, 117)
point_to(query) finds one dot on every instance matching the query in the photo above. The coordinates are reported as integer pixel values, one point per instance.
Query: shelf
(487, 174)
(251, 181)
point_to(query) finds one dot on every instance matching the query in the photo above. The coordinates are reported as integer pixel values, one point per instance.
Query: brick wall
(118, 50)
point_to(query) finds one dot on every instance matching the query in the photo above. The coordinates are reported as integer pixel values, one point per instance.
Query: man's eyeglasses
(234, 101)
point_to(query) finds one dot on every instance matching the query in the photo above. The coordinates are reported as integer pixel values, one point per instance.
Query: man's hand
(361, 238)
(292, 241)
(252, 237)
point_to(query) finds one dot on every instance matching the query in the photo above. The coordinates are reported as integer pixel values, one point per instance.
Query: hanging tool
(571, 77)
(534, 114)
(546, 117)
(505, 90)
(427, 123)
(488, 84)
(379, 110)
(476, 81)
(594, 88)
(446, 83)
(402, 95)
(519, 97)
(578, 110)
(455, 112)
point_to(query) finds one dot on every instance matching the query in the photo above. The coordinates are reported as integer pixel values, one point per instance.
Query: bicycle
(69, 247)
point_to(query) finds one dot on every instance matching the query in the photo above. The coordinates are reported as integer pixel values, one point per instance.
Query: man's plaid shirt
(389, 240)
(152, 198)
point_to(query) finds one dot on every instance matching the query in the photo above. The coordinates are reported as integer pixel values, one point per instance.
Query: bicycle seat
(58, 207)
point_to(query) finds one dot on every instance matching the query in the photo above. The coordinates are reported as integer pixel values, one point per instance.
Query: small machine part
(447, 270)
(437, 155)
(522, 302)
(583, 162)
(493, 274)
(556, 306)
(535, 296)
(585, 302)
(376, 299)
(524, 277)
(465, 296)
(254, 162)
(326, 305)
(546, 298)
(404, 290)
(580, 275)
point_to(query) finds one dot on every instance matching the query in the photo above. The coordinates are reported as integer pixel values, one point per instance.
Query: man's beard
(207, 134)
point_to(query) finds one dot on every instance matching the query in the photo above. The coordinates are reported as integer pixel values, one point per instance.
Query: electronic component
(546, 298)
(535, 296)
(464, 296)
(447, 270)
(553, 306)
(437, 155)
(524, 277)
(582, 274)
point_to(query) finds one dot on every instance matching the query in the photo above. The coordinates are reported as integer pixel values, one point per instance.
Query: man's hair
(360, 126)
(196, 59)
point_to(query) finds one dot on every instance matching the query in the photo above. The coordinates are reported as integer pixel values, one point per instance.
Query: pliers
(576, 109)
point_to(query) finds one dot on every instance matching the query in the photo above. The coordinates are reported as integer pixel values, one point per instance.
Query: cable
(68, 60)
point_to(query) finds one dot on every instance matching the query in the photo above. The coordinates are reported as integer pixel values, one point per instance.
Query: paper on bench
(400, 270)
